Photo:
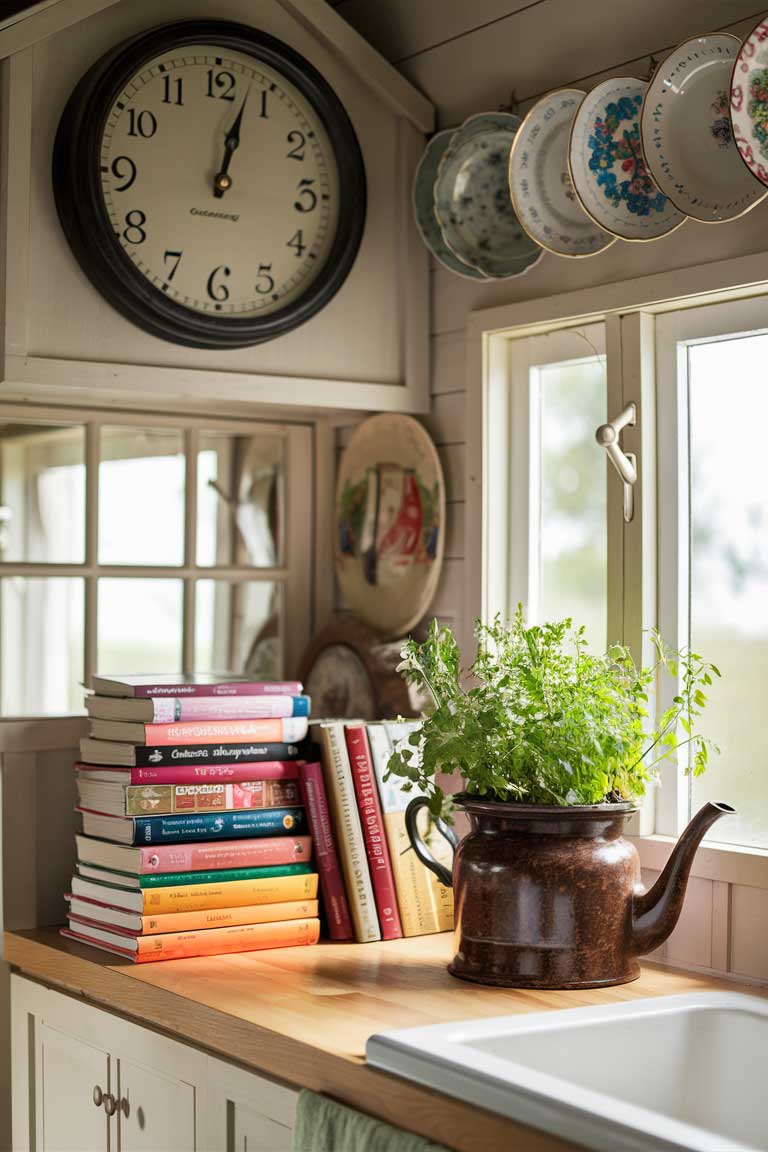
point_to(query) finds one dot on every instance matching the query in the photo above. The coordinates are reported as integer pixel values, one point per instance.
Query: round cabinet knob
(110, 1104)
(98, 1096)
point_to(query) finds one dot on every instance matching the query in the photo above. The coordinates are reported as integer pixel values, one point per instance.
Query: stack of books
(195, 836)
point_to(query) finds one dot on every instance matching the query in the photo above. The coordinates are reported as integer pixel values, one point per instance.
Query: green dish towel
(322, 1125)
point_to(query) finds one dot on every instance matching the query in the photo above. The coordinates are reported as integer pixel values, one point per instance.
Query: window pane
(239, 499)
(239, 627)
(139, 625)
(141, 496)
(42, 493)
(572, 535)
(41, 625)
(728, 414)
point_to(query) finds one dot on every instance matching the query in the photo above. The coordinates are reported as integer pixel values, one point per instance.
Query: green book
(180, 879)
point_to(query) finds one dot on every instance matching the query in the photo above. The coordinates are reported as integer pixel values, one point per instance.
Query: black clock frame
(90, 233)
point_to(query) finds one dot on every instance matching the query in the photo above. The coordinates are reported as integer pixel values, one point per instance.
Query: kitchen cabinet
(73, 1077)
(247, 1113)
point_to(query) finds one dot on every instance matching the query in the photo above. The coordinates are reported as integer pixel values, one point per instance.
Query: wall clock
(210, 184)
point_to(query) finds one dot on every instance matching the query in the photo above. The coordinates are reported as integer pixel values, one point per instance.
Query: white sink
(675, 1073)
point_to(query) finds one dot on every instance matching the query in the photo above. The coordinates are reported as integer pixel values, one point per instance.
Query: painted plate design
(472, 201)
(423, 196)
(540, 180)
(608, 168)
(687, 136)
(390, 523)
(749, 101)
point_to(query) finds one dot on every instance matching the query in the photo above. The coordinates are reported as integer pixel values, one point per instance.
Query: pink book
(196, 685)
(194, 773)
(331, 883)
(210, 856)
(175, 709)
(369, 806)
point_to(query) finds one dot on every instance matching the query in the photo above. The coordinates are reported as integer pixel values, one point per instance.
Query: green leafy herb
(545, 721)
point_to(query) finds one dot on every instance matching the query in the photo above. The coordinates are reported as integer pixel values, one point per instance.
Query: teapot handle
(420, 848)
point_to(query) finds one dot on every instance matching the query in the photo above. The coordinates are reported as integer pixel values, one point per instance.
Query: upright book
(166, 759)
(193, 826)
(349, 833)
(335, 903)
(175, 709)
(198, 684)
(289, 730)
(209, 942)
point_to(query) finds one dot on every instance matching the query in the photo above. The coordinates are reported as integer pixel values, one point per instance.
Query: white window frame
(294, 573)
(630, 311)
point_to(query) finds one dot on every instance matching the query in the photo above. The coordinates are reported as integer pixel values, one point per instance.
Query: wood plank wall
(468, 58)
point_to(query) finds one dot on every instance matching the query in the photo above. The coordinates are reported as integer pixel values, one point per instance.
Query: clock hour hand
(222, 180)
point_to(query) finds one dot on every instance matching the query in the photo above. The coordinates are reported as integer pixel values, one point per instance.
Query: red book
(203, 856)
(331, 883)
(193, 773)
(207, 942)
(367, 793)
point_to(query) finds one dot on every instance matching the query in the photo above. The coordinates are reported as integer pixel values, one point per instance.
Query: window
(692, 558)
(148, 544)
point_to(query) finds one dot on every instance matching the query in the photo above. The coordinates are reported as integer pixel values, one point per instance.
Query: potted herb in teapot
(553, 748)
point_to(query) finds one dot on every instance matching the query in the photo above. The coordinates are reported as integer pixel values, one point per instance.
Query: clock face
(210, 184)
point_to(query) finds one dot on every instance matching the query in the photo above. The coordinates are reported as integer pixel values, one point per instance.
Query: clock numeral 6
(123, 168)
(307, 197)
(267, 282)
(221, 85)
(218, 292)
(141, 123)
(134, 232)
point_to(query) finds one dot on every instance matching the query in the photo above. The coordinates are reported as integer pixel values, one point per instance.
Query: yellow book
(198, 897)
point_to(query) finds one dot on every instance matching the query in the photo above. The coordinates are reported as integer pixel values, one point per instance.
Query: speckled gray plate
(423, 194)
(472, 201)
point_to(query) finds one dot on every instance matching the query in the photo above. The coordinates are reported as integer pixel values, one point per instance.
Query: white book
(348, 829)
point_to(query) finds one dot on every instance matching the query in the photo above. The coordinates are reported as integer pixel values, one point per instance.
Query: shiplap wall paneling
(749, 932)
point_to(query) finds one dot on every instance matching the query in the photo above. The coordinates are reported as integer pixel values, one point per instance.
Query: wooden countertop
(303, 1015)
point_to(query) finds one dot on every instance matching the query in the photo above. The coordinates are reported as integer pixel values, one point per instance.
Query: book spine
(174, 757)
(203, 826)
(204, 856)
(349, 834)
(288, 730)
(166, 799)
(335, 903)
(172, 710)
(218, 941)
(219, 875)
(229, 917)
(275, 688)
(369, 807)
(232, 894)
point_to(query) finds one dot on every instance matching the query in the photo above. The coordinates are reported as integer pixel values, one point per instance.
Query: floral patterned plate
(686, 132)
(472, 201)
(423, 195)
(608, 168)
(540, 183)
(749, 101)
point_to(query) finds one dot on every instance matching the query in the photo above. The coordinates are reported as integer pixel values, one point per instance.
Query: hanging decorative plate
(472, 201)
(423, 195)
(607, 165)
(390, 523)
(749, 101)
(540, 181)
(686, 132)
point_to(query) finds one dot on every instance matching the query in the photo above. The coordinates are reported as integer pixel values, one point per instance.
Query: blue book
(195, 826)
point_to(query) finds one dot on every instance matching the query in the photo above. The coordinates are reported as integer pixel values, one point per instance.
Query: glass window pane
(139, 624)
(240, 499)
(41, 656)
(42, 493)
(728, 414)
(239, 627)
(141, 496)
(572, 527)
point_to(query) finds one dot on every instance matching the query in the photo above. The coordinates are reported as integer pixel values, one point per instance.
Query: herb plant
(545, 721)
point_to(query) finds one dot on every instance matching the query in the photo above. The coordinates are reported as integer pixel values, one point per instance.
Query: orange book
(135, 924)
(288, 730)
(207, 942)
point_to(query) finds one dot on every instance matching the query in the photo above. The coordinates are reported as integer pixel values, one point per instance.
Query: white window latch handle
(625, 463)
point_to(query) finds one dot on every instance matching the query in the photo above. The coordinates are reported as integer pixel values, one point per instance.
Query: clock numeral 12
(224, 82)
(307, 197)
(141, 123)
(172, 90)
(297, 242)
(263, 112)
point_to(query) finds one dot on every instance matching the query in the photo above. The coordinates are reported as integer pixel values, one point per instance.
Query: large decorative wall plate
(607, 165)
(540, 180)
(749, 101)
(686, 132)
(472, 201)
(424, 208)
(390, 523)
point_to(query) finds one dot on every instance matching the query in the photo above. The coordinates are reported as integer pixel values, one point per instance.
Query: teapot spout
(656, 912)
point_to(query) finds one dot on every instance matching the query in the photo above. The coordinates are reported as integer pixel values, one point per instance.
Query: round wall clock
(210, 184)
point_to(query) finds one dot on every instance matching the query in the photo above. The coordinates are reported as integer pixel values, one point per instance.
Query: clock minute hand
(222, 180)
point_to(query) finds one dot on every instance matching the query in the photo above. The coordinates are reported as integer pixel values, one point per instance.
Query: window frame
(294, 573)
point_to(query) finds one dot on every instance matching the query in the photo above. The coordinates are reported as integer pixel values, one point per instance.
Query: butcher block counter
(303, 1015)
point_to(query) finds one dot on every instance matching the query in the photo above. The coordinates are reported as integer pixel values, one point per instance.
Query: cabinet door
(251, 1131)
(73, 1076)
(246, 1112)
(154, 1111)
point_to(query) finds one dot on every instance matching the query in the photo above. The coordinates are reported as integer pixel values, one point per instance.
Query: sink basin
(673, 1073)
